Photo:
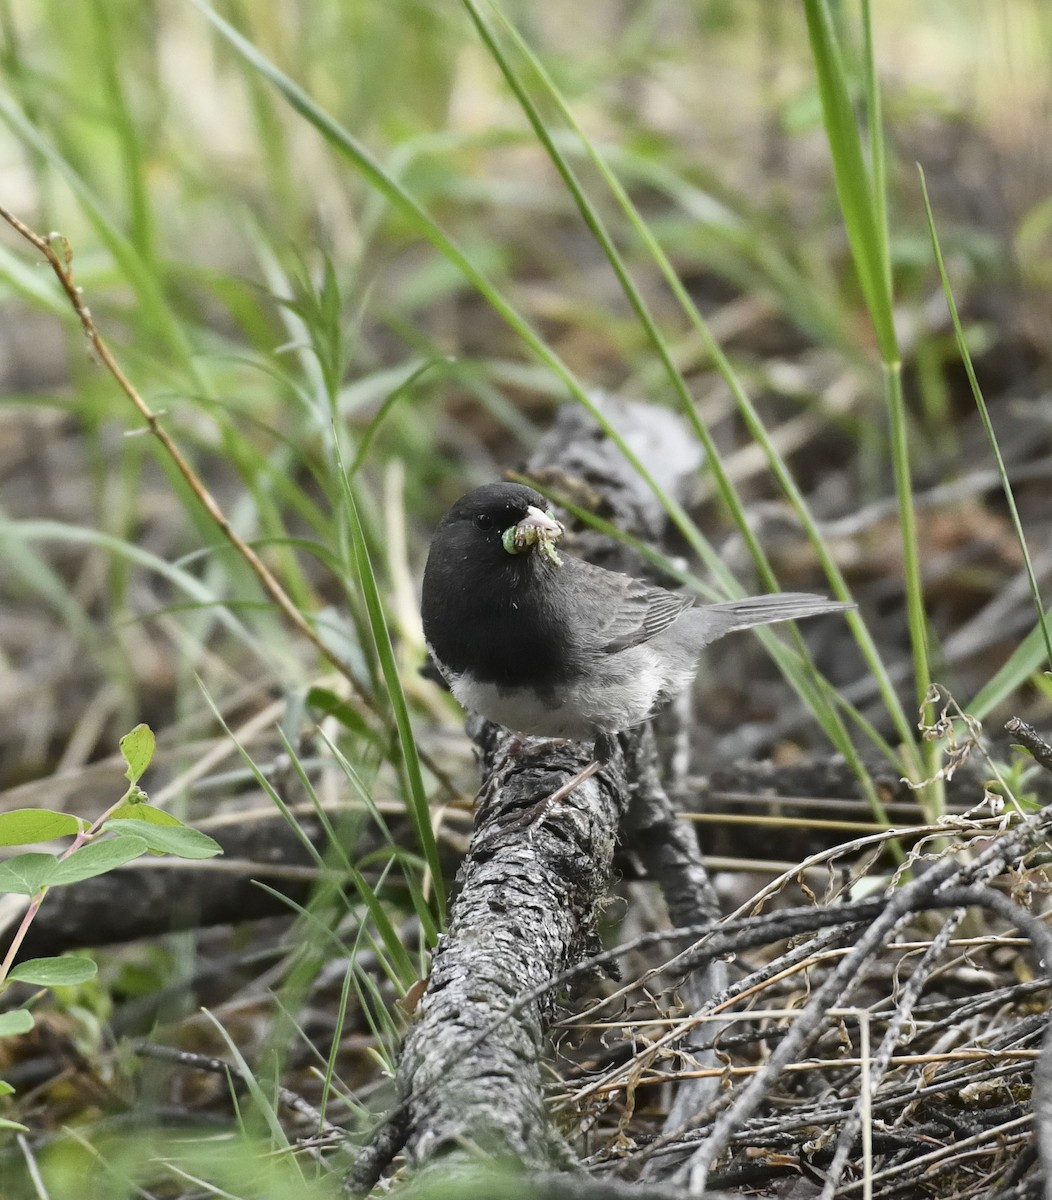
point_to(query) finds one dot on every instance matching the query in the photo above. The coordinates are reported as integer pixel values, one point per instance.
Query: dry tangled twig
(873, 1053)
(62, 265)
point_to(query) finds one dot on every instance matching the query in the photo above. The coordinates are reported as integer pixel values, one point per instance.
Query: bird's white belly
(607, 703)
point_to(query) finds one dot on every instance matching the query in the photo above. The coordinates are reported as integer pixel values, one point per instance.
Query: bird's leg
(605, 745)
(535, 815)
(516, 749)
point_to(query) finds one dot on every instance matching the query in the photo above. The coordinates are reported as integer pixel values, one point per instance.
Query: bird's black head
(488, 582)
(499, 519)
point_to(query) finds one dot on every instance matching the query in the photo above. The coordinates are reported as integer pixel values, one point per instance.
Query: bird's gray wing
(615, 612)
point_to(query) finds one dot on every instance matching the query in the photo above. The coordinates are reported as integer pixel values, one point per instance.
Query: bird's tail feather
(712, 621)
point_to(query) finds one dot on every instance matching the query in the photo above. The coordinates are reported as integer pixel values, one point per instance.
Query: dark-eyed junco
(544, 643)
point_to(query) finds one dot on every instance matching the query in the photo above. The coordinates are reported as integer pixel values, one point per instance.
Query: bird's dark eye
(484, 522)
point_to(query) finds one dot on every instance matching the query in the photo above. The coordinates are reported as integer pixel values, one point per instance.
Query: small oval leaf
(138, 747)
(22, 825)
(181, 841)
(63, 971)
(96, 858)
(19, 1020)
(26, 874)
(144, 812)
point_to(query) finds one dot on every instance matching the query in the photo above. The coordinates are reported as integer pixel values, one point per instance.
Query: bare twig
(219, 1066)
(63, 268)
(1032, 740)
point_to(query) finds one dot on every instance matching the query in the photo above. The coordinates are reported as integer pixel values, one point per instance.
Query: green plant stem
(20, 935)
(84, 835)
(911, 565)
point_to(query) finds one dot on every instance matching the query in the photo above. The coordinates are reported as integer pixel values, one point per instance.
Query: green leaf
(1023, 662)
(181, 840)
(96, 858)
(19, 1020)
(6, 1124)
(859, 207)
(63, 971)
(137, 748)
(416, 798)
(331, 705)
(26, 874)
(22, 825)
(5, 1088)
(146, 813)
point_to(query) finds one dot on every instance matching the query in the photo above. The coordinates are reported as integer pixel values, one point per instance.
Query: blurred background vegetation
(327, 244)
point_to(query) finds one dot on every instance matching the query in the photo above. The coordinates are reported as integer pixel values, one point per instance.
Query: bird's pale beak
(536, 529)
(543, 522)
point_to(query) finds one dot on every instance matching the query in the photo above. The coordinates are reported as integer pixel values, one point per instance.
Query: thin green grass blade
(415, 374)
(402, 970)
(339, 1025)
(392, 955)
(416, 797)
(1024, 660)
(401, 199)
(32, 284)
(911, 564)
(373, 1006)
(32, 531)
(865, 220)
(984, 416)
(877, 157)
(859, 209)
(316, 932)
(336, 842)
(263, 1104)
(411, 866)
(122, 119)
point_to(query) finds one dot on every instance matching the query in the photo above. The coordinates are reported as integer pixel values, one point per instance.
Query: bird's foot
(536, 813)
(605, 747)
(516, 749)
